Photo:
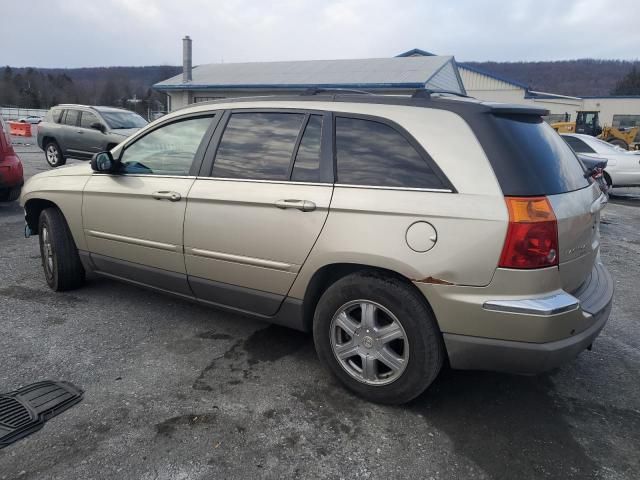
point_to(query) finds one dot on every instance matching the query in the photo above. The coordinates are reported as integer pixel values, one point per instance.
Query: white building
(616, 111)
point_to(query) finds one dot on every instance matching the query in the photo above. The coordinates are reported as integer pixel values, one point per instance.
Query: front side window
(88, 119)
(257, 145)
(578, 145)
(375, 154)
(168, 150)
(71, 118)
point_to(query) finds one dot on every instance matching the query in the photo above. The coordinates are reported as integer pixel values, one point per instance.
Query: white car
(32, 119)
(623, 167)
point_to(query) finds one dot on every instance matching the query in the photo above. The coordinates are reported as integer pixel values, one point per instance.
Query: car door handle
(165, 195)
(303, 205)
(79, 131)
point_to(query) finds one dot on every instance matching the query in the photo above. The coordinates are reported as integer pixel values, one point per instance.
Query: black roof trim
(514, 109)
(439, 100)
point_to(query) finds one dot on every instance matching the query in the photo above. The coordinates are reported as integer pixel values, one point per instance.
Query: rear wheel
(60, 260)
(378, 337)
(53, 154)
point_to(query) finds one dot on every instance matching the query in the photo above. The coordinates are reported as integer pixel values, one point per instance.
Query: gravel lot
(177, 391)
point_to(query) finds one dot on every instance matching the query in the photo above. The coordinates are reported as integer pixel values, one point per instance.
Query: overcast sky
(83, 33)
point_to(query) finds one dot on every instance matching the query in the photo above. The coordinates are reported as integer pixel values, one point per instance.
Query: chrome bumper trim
(551, 305)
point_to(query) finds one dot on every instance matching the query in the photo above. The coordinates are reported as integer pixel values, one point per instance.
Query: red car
(11, 177)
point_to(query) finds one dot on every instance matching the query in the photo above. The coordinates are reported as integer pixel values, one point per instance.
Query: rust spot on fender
(433, 280)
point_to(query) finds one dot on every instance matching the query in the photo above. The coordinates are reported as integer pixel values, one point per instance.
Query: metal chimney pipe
(187, 65)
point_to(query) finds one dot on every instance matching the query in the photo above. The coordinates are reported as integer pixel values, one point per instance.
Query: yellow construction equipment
(588, 123)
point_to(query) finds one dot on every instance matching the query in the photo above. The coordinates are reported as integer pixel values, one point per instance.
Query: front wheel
(378, 337)
(53, 154)
(60, 260)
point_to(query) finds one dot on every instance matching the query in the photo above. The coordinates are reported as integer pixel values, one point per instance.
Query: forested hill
(568, 77)
(44, 87)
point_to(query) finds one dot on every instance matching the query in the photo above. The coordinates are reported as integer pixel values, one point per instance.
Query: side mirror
(98, 126)
(103, 162)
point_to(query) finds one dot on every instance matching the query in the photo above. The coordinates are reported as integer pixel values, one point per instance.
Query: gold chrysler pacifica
(402, 231)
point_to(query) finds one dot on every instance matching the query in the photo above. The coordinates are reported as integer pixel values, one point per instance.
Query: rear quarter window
(372, 153)
(530, 158)
(53, 115)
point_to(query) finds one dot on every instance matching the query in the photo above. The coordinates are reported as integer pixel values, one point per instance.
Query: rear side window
(71, 118)
(307, 164)
(530, 158)
(258, 146)
(375, 154)
(578, 145)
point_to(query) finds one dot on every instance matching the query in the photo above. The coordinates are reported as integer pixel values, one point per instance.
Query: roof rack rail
(426, 93)
(317, 90)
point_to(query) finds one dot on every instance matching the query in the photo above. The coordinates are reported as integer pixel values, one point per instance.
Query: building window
(205, 99)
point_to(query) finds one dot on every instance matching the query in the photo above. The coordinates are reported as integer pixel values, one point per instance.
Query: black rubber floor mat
(24, 411)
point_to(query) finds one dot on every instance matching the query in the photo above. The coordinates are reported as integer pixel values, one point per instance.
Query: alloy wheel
(369, 342)
(52, 154)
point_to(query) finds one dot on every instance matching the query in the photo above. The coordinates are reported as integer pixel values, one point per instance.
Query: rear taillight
(532, 235)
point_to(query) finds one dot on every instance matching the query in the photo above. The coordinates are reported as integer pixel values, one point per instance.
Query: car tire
(53, 154)
(63, 269)
(373, 306)
(10, 194)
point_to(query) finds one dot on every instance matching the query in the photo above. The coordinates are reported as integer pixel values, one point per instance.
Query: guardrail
(14, 113)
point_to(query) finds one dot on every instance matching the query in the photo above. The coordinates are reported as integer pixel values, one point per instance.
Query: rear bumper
(11, 172)
(592, 301)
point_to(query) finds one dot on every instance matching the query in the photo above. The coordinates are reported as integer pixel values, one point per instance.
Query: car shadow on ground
(509, 425)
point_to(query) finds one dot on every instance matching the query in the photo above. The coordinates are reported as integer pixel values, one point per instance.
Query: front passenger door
(133, 220)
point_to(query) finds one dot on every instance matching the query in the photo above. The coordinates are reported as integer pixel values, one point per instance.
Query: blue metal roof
(418, 52)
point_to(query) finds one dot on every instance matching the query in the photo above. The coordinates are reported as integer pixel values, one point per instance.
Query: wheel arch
(48, 139)
(32, 210)
(328, 274)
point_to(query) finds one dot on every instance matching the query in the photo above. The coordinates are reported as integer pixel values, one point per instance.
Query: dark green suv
(79, 131)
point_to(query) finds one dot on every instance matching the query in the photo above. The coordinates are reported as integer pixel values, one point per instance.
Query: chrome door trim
(251, 180)
(228, 257)
(134, 241)
(382, 187)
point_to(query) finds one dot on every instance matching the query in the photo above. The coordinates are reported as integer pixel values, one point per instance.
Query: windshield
(121, 120)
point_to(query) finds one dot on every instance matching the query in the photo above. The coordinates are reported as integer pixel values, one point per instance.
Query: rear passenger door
(68, 137)
(258, 206)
